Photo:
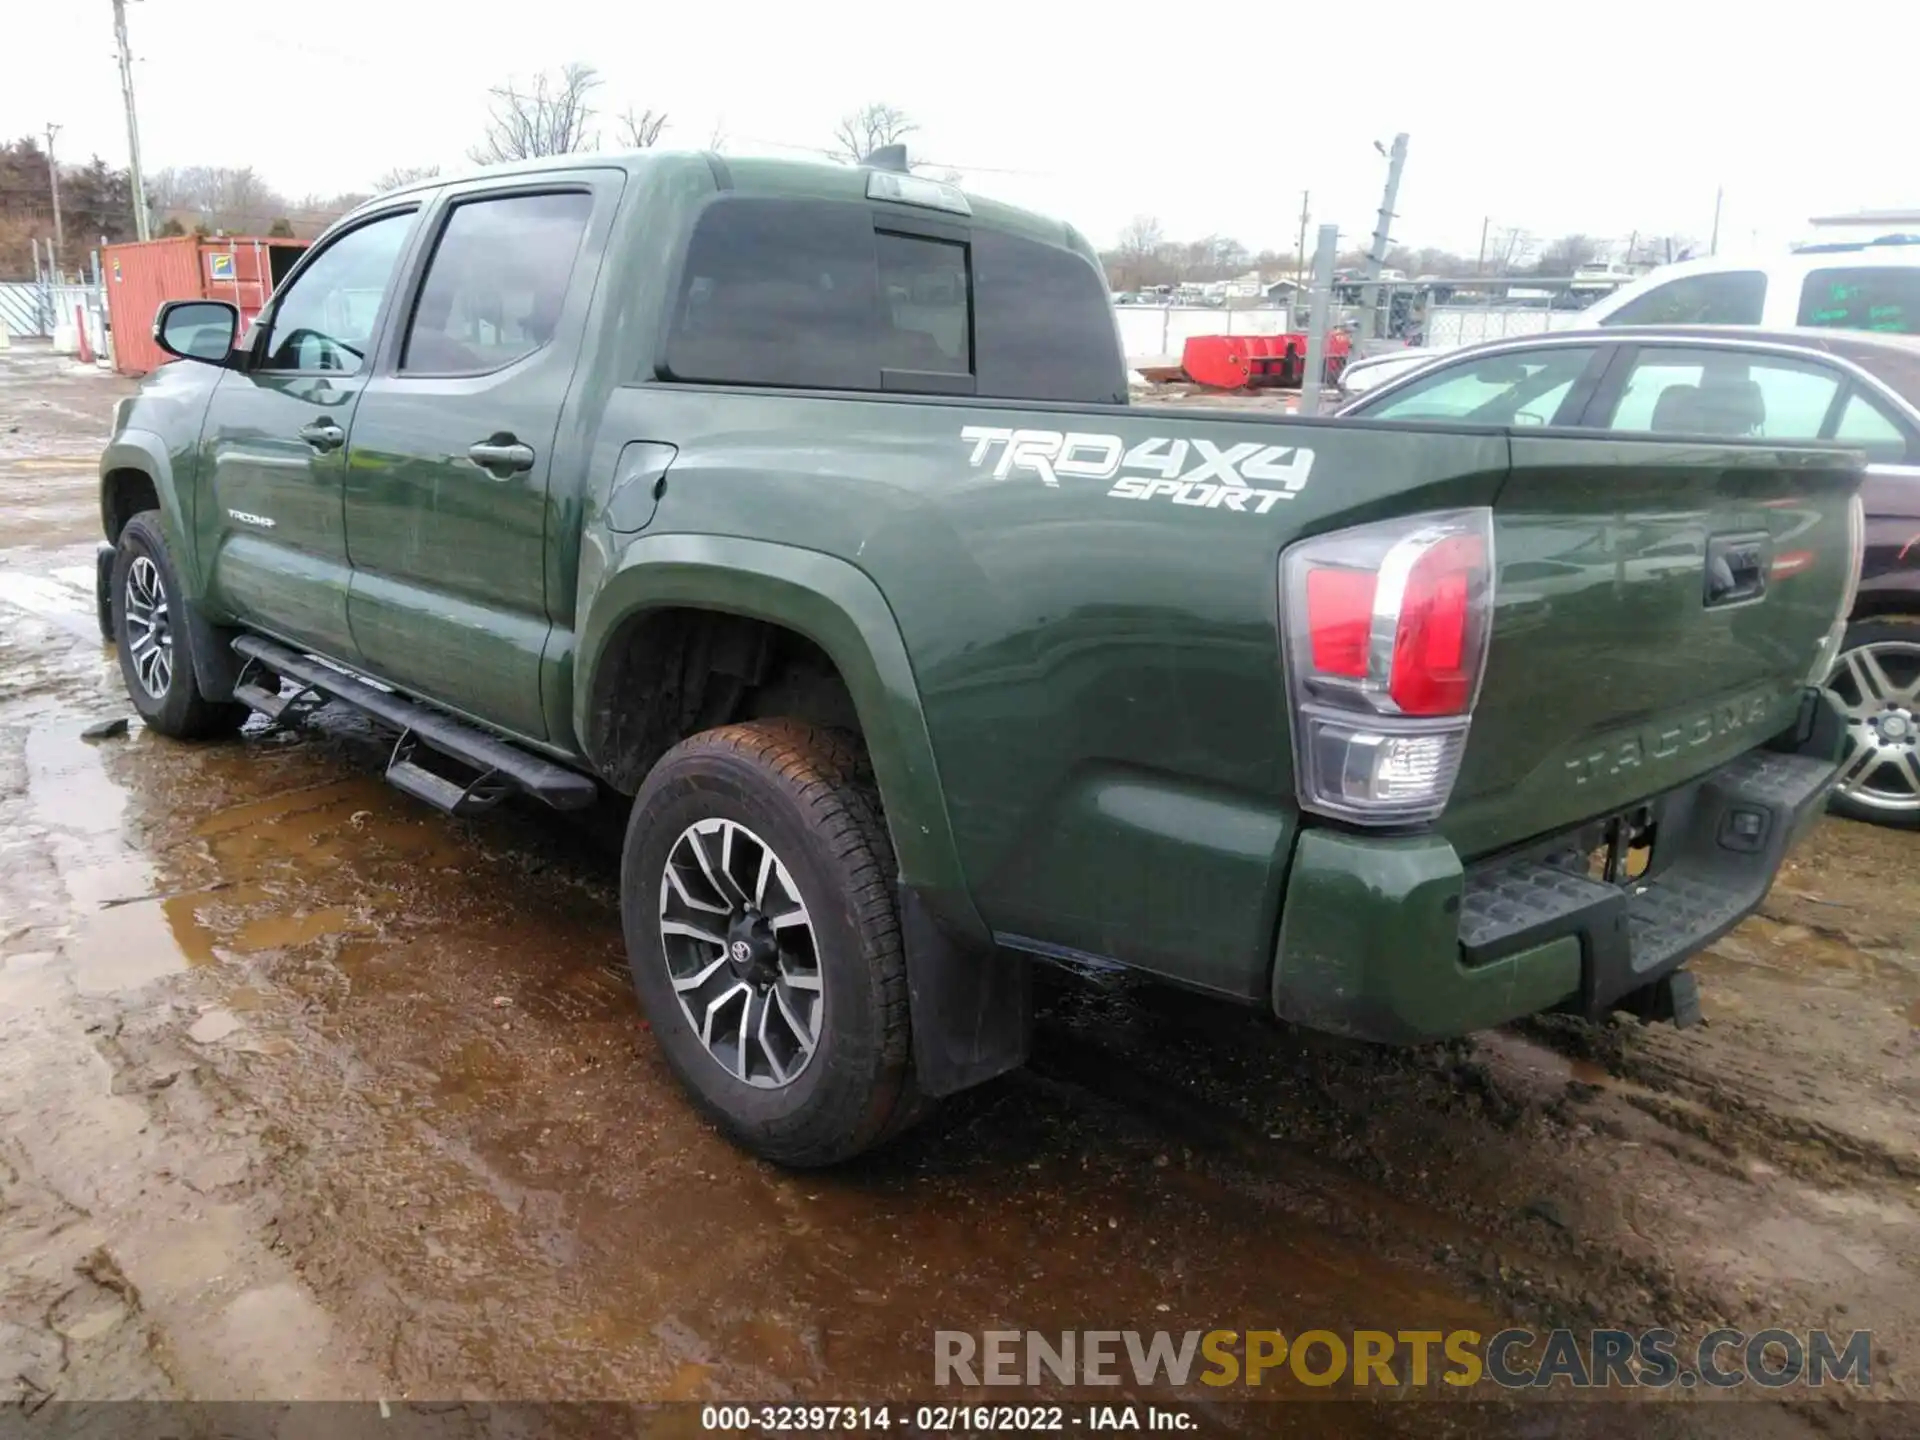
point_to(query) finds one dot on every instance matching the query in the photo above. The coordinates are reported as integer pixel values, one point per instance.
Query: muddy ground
(308, 1092)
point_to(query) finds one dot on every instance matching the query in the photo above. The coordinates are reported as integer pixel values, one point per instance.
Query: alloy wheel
(149, 627)
(741, 953)
(1877, 687)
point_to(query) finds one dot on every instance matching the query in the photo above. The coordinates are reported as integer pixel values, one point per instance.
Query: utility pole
(1713, 245)
(1382, 231)
(140, 227)
(53, 174)
(1300, 250)
(1319, 316)
(1480, 265)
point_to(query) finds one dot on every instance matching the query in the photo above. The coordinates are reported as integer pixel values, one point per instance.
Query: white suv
(1836, 287)
(1869, 286)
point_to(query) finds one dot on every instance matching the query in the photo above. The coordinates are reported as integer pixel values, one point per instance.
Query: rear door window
(832, 295)
(1728, 297)
(496, 282)
(1859, 298)
(1725, 394)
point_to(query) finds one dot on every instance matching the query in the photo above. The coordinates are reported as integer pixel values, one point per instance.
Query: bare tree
(1508, 249)
(217, 197)
(1144, 256)
(1567, 254)
(1143, 237)
(640, 130)
(717, 141)
(553, 116)
(1661, 249)
(404, 175)
(863, 131)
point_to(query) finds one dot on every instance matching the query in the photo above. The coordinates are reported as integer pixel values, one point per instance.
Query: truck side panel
(1097, 654)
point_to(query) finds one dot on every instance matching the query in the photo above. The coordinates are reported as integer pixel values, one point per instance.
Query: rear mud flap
(971, 1007)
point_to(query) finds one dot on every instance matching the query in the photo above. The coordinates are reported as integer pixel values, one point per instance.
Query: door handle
(502, 454)
(323, 435)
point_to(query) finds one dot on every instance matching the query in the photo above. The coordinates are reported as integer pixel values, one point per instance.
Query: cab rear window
(1859, 298)
(829, 295)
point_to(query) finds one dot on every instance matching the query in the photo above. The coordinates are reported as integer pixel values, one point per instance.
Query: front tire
(1876, 684)
(156, 643)
(757, 898)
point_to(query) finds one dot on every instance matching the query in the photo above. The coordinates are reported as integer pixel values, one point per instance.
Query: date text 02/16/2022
(945, 1419)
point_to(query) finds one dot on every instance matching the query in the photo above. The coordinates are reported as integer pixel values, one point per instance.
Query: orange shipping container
(143, 275)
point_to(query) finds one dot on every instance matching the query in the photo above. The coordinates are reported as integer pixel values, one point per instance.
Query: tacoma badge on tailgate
(1632, 750)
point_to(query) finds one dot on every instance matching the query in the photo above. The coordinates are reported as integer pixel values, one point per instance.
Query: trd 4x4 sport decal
(1247, 477)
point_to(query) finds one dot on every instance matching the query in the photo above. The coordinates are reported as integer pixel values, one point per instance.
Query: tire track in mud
(1699, 1104)
(1524, 1261)
(1521, 1258)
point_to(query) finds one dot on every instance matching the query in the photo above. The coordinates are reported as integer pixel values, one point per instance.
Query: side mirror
(202, 330)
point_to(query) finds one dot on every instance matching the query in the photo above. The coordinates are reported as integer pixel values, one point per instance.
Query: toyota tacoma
(799, 509)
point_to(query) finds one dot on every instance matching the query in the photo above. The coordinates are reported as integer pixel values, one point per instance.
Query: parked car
(915, 653)
(1858, 389)
(1844, 285)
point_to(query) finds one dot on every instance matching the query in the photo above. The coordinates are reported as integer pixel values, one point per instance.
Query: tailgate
(1659, 609)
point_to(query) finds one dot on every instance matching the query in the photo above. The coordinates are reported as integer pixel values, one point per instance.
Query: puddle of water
(326, 827)
(276, 932)
(127, 934)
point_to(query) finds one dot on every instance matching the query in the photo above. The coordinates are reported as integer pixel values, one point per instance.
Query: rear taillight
(1387, 628)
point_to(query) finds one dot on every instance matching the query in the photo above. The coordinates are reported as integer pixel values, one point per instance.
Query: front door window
(324, 321)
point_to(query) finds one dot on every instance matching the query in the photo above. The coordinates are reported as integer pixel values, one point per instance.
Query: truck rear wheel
(757, 898)
(155, 642)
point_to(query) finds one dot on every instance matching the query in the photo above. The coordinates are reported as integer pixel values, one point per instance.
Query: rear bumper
(1394, 940)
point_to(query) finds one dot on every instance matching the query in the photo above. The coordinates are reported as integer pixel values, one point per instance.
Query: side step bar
(424, 733)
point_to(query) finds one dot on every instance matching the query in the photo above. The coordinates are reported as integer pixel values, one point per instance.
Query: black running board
(498, 766)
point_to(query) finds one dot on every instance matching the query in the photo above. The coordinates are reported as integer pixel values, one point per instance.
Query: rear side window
(1856, 298)
(1046, 326)
(1731, 297)
(1725, 394)
(1865, 424)
(819, 294)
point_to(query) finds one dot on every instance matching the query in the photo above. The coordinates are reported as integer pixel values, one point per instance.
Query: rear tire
(155, 642)
(1876, 684)
(757, 898)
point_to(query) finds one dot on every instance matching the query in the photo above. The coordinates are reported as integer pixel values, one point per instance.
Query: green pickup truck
(800, 508)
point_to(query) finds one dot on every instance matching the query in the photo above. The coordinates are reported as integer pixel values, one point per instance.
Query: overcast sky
(1557, 117)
